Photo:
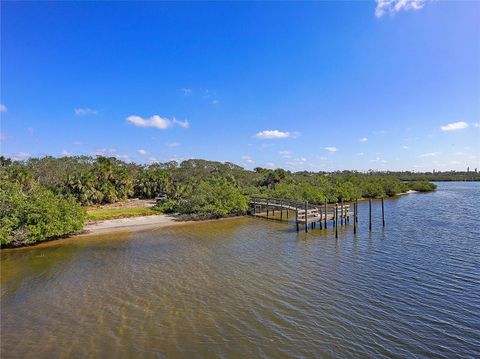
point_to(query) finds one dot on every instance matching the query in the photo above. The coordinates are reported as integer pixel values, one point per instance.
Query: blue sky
(316, 86)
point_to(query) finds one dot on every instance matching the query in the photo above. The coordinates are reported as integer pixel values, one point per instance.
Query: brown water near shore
(249, 287)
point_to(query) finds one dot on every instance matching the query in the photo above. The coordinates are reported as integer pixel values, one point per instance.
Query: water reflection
(250, 287)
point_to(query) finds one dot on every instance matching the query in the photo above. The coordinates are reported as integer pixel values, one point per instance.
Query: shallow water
(250, 287)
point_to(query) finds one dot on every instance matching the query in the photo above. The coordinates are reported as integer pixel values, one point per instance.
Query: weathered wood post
(321, 216)
(383, 213)
(370, 214)
(336, 220)
(296, 216)
(254, 206)
(325, 218)
(356, 211)
(354, 217)
(281, 209)
(306, 217)
(341, 212)
(267, 208)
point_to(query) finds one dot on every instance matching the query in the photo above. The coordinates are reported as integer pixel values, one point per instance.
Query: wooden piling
(336, 220)
(281, 210)
(383, 213)
(354, 217)
(267, 208)
(296, 216)
(341, 212)
(370, 214)
(321, 216)
(306, 217)
(325, 218)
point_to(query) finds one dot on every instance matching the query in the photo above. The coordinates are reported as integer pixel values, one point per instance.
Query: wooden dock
(308, 214)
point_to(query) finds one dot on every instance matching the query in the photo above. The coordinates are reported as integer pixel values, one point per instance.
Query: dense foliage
(39, 197)
(30, 212)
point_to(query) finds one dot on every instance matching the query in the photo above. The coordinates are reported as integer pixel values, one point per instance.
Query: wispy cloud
(429, 154)
(186, 91)
(172, 144)
(391, 7)
(85, 111)
(247, 159)
(274, 134)
(405, 147)
(331, 149)
(184, 124)
(363, 139)
(123, 157)
(454, 126)
(142, 152)
(21, 156)
(215, 102)
(65, 153)
(100, 151)
(270, 164)
(4, 137)
(77, 143)
(3, 108)
(156, 121)
(476, 124)
(378, 160)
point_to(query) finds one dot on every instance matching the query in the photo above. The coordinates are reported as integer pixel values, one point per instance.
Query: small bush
(423, 186)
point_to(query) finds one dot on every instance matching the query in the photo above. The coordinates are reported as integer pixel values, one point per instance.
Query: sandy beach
(131, 224)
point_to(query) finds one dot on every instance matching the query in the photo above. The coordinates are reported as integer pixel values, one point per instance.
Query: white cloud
(331, 149)
(285, 154)
(3, 108)
(215, 102)
(172, 144)
(154, 121)
(476, 124)
(360, 154)
(157, 122)
(100, 151)
(142, 152)
(78, 143)
(247, 159)
(272, 134)
(270, 164)
(184, 124)
(152, 159)
(393, 6)
(85, 111)
(123, 157)
(21, 156)
(454, 126)
(429, 154)
(363, 139)
(405, 147)
(112, 150)
(65, 153)
(186, 91)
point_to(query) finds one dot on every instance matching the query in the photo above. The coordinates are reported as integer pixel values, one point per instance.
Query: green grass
(113, 213)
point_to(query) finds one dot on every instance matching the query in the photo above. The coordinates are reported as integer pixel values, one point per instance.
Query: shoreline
(139, 223)
(130, 224)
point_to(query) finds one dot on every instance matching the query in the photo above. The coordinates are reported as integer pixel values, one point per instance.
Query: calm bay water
(249, 287)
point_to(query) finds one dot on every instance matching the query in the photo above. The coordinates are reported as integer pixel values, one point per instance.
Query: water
(255, 288)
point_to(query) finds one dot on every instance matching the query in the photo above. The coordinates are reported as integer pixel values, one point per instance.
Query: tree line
(46, 197)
